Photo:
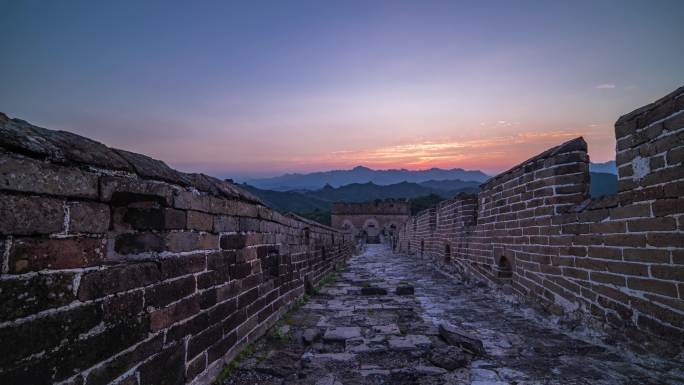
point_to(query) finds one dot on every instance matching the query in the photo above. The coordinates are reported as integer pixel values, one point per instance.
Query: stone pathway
(358, 330)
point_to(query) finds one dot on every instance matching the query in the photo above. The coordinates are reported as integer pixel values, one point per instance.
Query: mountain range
(293, 192)
(360, 174)
(607, 167)
(302, 201)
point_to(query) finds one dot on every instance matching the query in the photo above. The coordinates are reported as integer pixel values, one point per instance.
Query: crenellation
(612, 261)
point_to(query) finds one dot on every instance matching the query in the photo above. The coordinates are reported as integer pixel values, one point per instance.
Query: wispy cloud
(489, 153)
(605, 86)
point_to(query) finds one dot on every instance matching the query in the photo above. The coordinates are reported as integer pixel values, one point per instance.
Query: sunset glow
(239, 89)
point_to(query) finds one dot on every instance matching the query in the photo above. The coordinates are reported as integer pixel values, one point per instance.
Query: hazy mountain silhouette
(360, 174)
(302, 201)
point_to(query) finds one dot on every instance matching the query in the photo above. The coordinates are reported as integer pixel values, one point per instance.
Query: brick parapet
(615, 263)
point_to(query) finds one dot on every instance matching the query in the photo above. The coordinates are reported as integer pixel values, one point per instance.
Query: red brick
(99, 283)
(652, 224)
(605, 252)
(608, 227)
(33, 254)
(633, 240)
(607, 278)
(631, 211)
(665, 207)
(163, 318)
(674, 273)
(627, 268)
(182, 265)
(189, 241)
(666, 239)
(654, 286)
(169, 291)
(201, 341)
(88, 217)
(646, 255)
(575, 273)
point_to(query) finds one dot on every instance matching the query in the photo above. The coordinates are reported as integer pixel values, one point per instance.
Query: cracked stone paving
(378, 322)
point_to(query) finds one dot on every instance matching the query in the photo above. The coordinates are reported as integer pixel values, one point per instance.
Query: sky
(258, 88)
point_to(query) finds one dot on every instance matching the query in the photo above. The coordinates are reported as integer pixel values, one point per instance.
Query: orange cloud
(492, 154)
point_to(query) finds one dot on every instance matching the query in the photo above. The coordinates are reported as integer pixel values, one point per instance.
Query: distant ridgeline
(337, 178)
(315, 204)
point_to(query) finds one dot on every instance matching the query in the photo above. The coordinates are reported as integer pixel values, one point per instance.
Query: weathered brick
(248, 298)
(607, 278)
(675, 156)
(605, 252)
(123, 307)
(112, 280)
(201, 341)
(106, 373)
(652, 224)
(22, 297)
(231, 323)
(88, 217)
(240, 270)
(155, 218)
(25, 339)
(134, 243)
(190, 241)
(220, 348)
(29, 215)
(654, 286)
(166, 368)
(33, 254)
(196, 366)
(224, 223)
(674, 273)
(222, 310)
(123, 190)
(170, 291)
(233, 241)
(229, 290)
(665, 207)
(182, 265)
(666, 239)
(631, 211)
(192, 326)
(200, 221)
(632, 240)
(646, 255)
(163, 318)
(18, 173)
(627, 268)
(192, 200)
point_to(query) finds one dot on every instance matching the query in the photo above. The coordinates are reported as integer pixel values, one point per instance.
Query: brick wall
(117, 268)
(614, 263)
(388, 215)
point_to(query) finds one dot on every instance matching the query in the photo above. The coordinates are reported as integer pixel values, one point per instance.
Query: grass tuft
(247, 352)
